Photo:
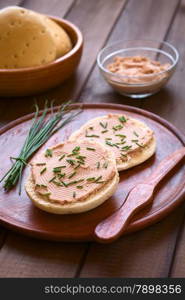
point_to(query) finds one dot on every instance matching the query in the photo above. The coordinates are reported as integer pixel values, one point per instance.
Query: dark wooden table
(159, 250)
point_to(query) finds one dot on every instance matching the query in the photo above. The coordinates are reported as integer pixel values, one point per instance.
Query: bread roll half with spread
(131, 140)
(72, 177)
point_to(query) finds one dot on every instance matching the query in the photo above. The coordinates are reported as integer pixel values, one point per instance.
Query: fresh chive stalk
(40, 132)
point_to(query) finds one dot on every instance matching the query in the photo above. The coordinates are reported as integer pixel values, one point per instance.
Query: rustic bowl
(34, 80)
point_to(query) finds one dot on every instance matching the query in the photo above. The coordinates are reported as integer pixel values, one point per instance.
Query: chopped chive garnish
(40, 164)
(91, 127)
(58, 169)
(52, 179)
(94, 180)
(74, 182)
(104, 125)
(121, 135)
(92, 135)
(124, 155)
(91, 179)
(117, 127)
(71, 161)
(61, 157)
(77, 166)
(135, 133)
(69, 155)
(72, 174)
(64, 184)
(121, 143)
(61, 175)
(80, 157)
(98, 178)
(122, 119)
(105, 165)
(81, 162)
(46, 194)
(104, 131)
(57, 183)
(111, 144)
(79, 187)
(91, 149)
(134, 141)
(76, 150)
(98, 165)
(125, 148)
(108, 139)
(140, 145)
(43, 185)
(74, 194)
(48, 153)
(43, 170)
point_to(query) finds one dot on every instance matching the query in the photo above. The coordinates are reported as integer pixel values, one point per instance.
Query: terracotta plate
(18, 213)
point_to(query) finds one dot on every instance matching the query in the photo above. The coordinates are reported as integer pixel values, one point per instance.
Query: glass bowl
(143, 85)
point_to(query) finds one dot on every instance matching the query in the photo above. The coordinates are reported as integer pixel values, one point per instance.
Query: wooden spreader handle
(166, 165)
(111, 228)
(141, 195)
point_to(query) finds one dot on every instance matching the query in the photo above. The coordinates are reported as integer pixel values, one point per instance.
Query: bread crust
(91, 202)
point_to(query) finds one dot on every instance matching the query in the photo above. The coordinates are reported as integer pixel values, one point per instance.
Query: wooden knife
(140, 196)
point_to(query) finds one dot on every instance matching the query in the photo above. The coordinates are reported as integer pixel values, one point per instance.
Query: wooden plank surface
(178, 267)
(4, 3)
(53, 8)
(146, 253)
(26, 257)
(175, 106)
(170, 102)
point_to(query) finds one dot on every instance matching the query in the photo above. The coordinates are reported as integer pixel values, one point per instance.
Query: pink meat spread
(72, 171)
(119, 133)
(136, 67)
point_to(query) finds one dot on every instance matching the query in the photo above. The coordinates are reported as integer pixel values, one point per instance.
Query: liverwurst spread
(135, 67)
(137, 74)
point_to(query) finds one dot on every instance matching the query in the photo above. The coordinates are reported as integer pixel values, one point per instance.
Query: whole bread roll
(61, 38)
(25, 40)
